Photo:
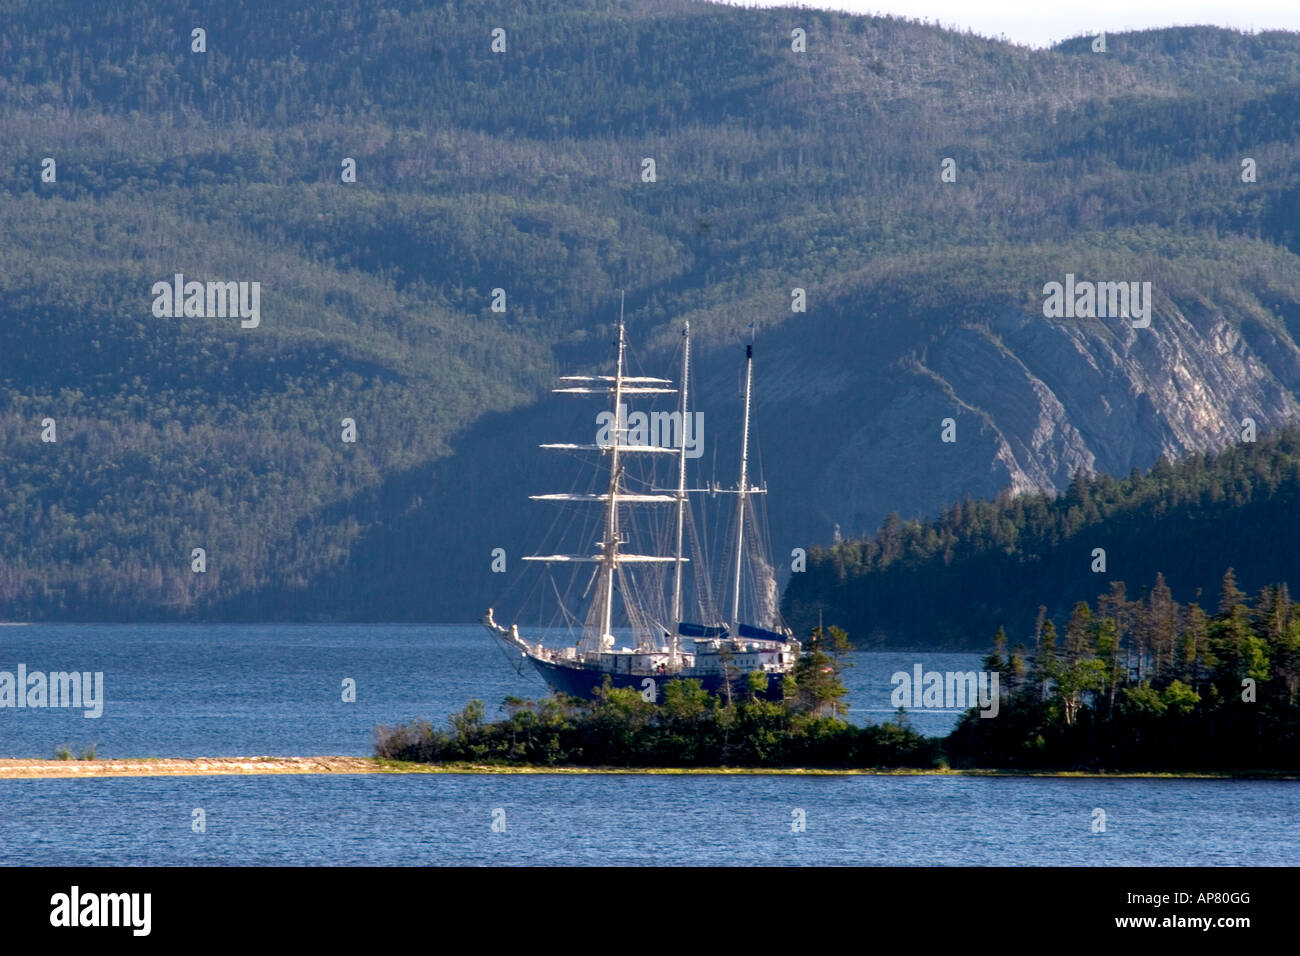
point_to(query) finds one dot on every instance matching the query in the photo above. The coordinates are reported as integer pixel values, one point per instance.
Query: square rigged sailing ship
(719, 651)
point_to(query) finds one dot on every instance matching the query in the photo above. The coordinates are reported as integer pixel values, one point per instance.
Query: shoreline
(53, 769)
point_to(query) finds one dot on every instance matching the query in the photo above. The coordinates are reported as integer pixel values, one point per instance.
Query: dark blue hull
(583, 681)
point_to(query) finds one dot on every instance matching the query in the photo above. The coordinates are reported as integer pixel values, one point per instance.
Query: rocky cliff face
(1032, 399)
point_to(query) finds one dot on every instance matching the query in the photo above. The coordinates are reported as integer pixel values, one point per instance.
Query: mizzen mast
(742, 491)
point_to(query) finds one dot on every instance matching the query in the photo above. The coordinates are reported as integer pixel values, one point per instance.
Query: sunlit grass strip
(475, 768)
(19, 769)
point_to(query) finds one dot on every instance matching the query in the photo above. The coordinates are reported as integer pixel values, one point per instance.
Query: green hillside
(522, 170)
(984, 564)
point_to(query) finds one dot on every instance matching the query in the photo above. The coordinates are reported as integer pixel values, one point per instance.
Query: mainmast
(681, 490)
(742, 491)
(610, 550)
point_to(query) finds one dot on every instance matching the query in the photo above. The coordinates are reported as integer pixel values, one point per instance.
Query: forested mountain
(986, 564)
(523, 170)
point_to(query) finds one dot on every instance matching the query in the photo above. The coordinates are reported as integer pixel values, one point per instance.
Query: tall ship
(627, 619)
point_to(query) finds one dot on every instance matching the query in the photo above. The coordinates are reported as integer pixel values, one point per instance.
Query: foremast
(610, 549)
(611, 558)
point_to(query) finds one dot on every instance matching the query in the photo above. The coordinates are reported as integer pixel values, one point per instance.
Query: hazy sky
(1042, 22)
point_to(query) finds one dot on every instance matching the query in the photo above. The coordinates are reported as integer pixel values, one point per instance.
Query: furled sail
(687, 629)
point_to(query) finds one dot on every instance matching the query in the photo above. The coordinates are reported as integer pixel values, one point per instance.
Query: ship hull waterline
(583, 682)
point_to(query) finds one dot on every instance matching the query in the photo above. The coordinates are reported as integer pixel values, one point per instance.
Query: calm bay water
(213, 690)
(593, 820)
(227, 690)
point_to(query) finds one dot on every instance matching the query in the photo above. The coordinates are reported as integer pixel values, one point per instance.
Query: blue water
(242, 690)
(447, 819)
(213, 690)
